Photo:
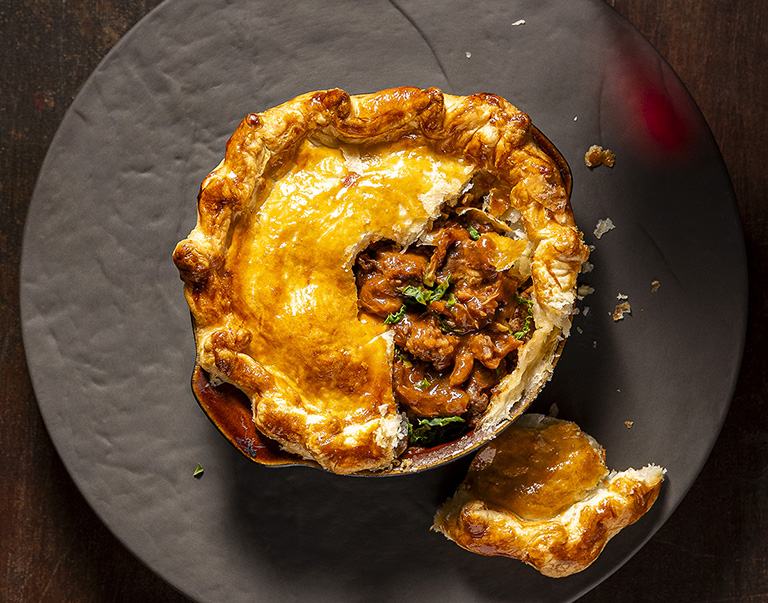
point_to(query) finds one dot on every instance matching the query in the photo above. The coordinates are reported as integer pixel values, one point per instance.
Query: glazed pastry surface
(541, 493)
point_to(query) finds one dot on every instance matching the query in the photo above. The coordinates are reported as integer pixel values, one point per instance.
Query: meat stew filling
(459, 310)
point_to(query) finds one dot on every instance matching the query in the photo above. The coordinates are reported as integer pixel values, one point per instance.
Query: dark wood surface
(53, 547)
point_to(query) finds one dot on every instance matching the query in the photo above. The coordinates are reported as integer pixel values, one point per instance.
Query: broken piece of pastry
(382, 273)
(541, 493)
(597, 156)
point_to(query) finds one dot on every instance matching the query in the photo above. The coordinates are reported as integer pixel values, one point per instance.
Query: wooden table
(52, 545)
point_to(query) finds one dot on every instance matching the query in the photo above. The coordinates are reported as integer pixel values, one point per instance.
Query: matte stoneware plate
(108, 335)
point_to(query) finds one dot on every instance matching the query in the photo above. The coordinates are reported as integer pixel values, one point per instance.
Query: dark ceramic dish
(106, 327)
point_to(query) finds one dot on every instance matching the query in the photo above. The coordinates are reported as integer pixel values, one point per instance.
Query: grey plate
(108, 335)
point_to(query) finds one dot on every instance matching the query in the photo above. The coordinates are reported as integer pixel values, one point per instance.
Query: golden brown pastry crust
(318, 378)
(571, 537)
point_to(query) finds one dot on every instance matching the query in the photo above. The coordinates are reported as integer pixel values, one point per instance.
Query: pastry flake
(597, 156)
(304, 189)
(541, 493)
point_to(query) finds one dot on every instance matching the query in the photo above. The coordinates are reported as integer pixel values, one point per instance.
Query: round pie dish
(367, 265)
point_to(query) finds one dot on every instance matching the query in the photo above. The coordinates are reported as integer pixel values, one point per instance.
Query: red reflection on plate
(658, 116)
(665, 125)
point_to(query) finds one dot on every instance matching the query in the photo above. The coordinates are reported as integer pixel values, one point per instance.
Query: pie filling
(459, 306)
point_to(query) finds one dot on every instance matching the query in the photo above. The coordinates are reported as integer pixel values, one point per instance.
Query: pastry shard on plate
(541, 493)
(368, 266)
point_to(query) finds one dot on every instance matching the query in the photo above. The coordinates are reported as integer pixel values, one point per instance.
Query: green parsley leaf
(198, 471)
(430, 432)
(402, 358)
(441, 289)
(522, 300)
(446, 327)
(473, 234)
(527, 326)
(420, 294)
(424, 383)
(395, 317)
(451, 301)
(426, 296)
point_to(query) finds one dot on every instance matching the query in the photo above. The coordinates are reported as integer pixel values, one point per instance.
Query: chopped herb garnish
(420, 294)
(402, 358)
(424, 383)
(451, 301)
(522, 300)
(527, 326)
(473, 234)
(426, 296)
(447, 327)
(441, 289)
(198, 471)
(395, 317)
(430, 432)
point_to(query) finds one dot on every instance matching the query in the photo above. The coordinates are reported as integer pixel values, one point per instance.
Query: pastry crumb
(597, 156)
(580, 330)
(655, 286)
(584, 290)
(468, 54)
(585, 311)
(518, 22)
(587, 267)
(403, 464)
(603, 226)
(620, 310)
(629, 424)
(621, 296)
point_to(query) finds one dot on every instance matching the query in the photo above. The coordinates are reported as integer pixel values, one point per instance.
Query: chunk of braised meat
(490, 350)
(479, 385)
(462, 367)
(423, 337)
(442, 240)
(477, 288)
(382, 272)
(515, 314)
(426, 393)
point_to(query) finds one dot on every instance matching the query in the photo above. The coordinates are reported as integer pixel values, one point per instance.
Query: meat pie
(367, 269)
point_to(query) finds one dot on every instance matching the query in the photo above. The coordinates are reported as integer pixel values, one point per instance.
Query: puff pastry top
(302, 189)
(541, 493)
